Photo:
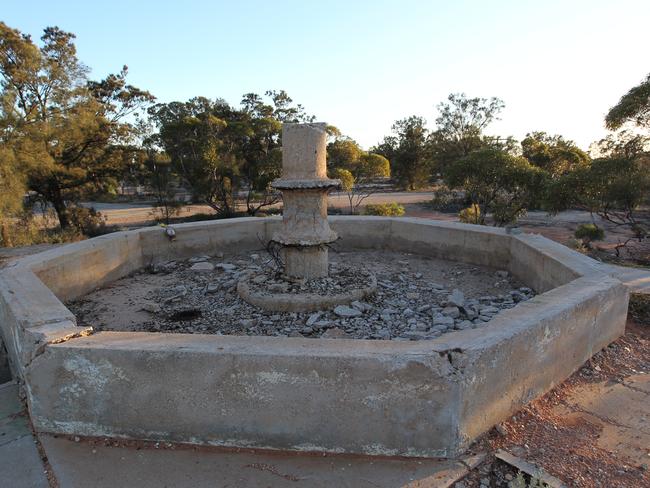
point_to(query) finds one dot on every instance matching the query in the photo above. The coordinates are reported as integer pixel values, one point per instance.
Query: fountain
(427, 396)
(305, 232)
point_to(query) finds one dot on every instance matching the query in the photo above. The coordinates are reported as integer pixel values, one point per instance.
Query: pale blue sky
(360, 65)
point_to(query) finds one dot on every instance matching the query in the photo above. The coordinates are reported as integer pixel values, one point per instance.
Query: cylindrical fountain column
(304, 185)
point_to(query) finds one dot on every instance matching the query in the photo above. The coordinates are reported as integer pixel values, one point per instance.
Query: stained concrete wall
(427, 398)
(265, 392)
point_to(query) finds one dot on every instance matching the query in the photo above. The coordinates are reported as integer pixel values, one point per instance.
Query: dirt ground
(593, 430)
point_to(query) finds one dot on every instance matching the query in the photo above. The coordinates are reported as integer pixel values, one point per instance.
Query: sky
(558, 65)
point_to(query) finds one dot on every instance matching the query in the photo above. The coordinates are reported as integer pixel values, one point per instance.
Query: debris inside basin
(417, 298)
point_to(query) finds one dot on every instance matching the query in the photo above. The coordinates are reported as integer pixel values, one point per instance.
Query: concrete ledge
(426, 398)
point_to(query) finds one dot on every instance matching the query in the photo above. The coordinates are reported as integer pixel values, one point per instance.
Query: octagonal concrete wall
(426, 398)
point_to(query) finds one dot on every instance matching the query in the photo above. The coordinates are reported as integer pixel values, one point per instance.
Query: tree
(72, 133)
(12, 190)
(193, 134)
(356, 169)
(496, 182)
(459, 128)
(220, 150)
(407, 152)
(633, 107)
(553, 154)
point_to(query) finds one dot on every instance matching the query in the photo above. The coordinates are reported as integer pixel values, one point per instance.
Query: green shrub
(470, 215)
(588, 233)
(393, 209)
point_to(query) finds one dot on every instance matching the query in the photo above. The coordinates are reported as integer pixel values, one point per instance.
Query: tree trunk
(61, 209)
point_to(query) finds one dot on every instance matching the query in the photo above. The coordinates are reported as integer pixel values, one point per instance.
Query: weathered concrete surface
(304, 185)
(31, 317)
(371, 397)
(306, 302)
(78, 464)
(20, 463)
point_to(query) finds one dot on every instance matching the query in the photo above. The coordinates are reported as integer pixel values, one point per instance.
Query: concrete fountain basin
(425, 398)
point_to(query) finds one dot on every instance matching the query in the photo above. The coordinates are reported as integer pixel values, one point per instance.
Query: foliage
(161, 177)
(356, 169)
(553, 154)
(220, 150)
(393, 209)
(446, 199)
(26, 229)
(497, 183)
(612, 187)
(407, 152)
(460, 125)
(470, 215)
(588, 233)
(633, 107)
(73, 135)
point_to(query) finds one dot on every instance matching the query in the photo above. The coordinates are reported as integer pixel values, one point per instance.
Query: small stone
(501, 429)
(306, 330)
(408, 313)
(227, 267)
(197, 259)
(202, 267)
(313, 318)
(452, 312)
(464, 324)
(456, 298)
(436, 286)
(502, 274)
(151, 307)
(345, 311)
(442, 320)
(418, 276)
(526, 290)
(259, 279)
(335, 333)
(321, 324)
(489, 310)
(424, 308)
(412, 296)
(212, 288)
(362, 306)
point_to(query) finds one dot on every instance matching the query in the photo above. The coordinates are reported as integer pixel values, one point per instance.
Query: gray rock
(227, 267)
(408, 313)
(202, 267)
(345, 311)
(335, 333)
(424, 308)
(452, 312)
(502, 274)
(212, 288)
(456, 298)
(442, 320)
(151, 307)
(313, 318)
(488, 310)
(198, 259)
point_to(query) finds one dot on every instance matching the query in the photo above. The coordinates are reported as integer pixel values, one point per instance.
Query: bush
(87, 221)
(393, 209)
(588, 233)
(446, 199)
(470, 215)
(28, 230)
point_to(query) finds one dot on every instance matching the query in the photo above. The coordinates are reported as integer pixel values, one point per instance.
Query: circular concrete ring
(303, 302)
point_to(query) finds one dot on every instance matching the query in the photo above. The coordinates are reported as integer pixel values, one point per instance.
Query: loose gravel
(417, 298)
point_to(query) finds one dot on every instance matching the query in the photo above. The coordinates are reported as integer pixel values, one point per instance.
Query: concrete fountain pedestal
(305, 232)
